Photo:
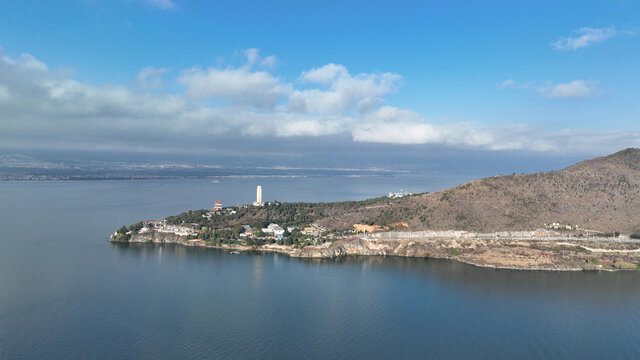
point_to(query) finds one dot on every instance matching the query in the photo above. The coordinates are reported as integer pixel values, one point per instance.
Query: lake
(67, 293)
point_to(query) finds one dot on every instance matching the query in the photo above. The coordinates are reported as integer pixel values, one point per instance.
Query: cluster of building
(162, 226)
(558, 226)
(398, 195)
(218, 209)
(277, 231)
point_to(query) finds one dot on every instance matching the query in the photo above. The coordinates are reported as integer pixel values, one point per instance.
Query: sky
(374, 82)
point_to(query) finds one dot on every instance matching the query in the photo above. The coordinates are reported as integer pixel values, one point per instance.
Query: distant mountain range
(601, 194)
(22, 167)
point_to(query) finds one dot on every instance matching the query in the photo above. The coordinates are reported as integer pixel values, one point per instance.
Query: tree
(237, 230)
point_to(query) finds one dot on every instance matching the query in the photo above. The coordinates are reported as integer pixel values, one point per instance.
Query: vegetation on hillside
(285, 214)
(601, 195)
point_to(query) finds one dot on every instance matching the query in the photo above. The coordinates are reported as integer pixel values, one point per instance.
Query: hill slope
(601, 194)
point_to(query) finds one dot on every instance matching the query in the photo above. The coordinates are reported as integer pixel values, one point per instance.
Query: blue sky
(545, 77)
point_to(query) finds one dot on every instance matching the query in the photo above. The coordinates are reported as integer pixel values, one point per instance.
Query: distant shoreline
(160, 177)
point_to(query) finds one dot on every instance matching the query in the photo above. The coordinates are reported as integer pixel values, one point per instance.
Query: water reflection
(609, 288)
(257, 271)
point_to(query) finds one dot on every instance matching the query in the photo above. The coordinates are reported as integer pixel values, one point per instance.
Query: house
(310, 230)
(248, 231)
(273, 229)
(217, 205)
(154, 223)
(398, 195)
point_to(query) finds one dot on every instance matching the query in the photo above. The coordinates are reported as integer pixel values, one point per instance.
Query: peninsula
(584, 217)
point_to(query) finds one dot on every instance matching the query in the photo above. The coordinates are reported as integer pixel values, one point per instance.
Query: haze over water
(67, 293)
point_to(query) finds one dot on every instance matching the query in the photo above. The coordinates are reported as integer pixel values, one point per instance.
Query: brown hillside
(601, 194)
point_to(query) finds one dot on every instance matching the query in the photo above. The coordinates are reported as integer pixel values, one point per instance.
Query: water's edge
(495, 254)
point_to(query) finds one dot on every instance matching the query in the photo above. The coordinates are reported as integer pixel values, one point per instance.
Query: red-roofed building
(217, 206)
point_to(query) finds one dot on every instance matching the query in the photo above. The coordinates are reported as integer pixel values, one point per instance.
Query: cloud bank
(214, 108)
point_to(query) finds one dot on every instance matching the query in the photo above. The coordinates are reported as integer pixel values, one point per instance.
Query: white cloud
(345, 92)
(286, 124)
(573, 89)
(269, 62)
(151, 77)
(325, 74)
(240, 86)
(505, 84)
(25, 62)
(162, 4)
(398, 133)
(252, 55)
(585, 36)
(396, 126)
(254, 58)
(495, 138)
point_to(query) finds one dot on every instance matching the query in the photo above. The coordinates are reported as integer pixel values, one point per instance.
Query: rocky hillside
(602, 194)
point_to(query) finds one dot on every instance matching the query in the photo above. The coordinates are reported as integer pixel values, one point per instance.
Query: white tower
(258, 196)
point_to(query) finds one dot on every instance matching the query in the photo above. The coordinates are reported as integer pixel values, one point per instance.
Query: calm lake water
(67, 293)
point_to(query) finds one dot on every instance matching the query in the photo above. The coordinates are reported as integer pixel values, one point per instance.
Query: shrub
(453, 251)
(608, 234)
(136, 227)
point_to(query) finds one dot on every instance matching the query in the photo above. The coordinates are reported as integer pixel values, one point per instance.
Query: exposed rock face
(504, 253)
(149, 237)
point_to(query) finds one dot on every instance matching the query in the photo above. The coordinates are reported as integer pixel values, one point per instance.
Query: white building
(248, 231)
(273, 229)
(398, 195)
(258, 201)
